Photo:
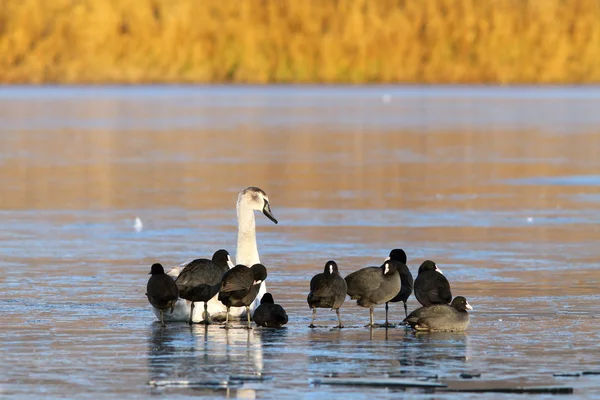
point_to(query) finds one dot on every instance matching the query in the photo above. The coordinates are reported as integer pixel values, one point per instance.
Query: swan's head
(256, 199)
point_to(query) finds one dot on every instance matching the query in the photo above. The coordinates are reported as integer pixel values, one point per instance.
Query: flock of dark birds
(238, 286)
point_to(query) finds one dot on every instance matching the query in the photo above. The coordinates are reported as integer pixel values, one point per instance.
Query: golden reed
(300, 41)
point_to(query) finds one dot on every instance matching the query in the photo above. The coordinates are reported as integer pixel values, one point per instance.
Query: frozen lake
(499, 186)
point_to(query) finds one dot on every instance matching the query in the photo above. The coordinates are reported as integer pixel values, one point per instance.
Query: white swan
(249, 200)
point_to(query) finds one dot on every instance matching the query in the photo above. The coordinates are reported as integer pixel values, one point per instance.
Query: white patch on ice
(137, 225)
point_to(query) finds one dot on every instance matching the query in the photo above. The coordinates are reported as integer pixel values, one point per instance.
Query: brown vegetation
(300, 41)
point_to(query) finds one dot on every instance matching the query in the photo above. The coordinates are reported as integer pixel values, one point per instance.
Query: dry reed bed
(299, 41)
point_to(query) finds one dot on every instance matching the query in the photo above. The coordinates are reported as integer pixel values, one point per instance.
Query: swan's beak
(267, 211)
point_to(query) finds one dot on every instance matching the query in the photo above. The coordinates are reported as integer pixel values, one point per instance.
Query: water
(497, 185)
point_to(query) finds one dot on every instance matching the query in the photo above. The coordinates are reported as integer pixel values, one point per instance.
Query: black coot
(441, 317)
(406, 279)
(200, 280)
(431, 286)
(240, 286)
(161, 290)
(327, 290)
(269, 314)
(371, 286)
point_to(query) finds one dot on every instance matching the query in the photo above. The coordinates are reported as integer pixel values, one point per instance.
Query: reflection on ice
(204, 358)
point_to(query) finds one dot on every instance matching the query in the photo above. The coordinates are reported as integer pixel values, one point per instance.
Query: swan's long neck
(247, 250)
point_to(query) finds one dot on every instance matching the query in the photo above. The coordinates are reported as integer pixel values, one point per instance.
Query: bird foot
(227, 326)
(311, 326)
(387, 325)
(248, 327)
(340, 326)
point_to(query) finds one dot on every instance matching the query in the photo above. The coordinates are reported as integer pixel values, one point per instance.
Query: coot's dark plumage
(200, 280)
(327, 290)
(431, 286)
(406, 279)
(269, 314)
(441, 317)
(374, 285)
(240, 286)
(161, 290)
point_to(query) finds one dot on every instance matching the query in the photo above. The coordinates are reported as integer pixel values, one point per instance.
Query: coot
(269, 314)
(239, 288)
(327, 290)
(406, 279)
(371, 286)
(161, 290)
(200, 280)
(441, 317)
(431, 286)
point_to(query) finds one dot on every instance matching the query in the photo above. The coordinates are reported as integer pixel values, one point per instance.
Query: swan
(249, 200)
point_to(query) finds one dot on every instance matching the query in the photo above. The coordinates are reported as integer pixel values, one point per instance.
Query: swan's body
(249, 200)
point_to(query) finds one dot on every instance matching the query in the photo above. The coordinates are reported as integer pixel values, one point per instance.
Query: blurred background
(258, 41)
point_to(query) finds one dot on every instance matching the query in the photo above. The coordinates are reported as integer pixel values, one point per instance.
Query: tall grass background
(300, 41)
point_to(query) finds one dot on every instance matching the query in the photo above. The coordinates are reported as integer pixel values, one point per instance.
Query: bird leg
(372, 324)
(162, 321)
(405, 310)
(205, 314)
(312, 321)
(227, 324)
(248, 315)
(386, 315)
(387, 324)
(191, 313)
(340, 325)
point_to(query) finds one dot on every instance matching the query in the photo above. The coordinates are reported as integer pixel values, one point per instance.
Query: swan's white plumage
(249, 200)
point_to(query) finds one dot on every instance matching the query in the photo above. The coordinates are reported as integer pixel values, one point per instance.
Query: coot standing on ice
(161, 290)
(200, 280)
(406, 279)
(239, 288)
(327, 290)
(371, 286)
